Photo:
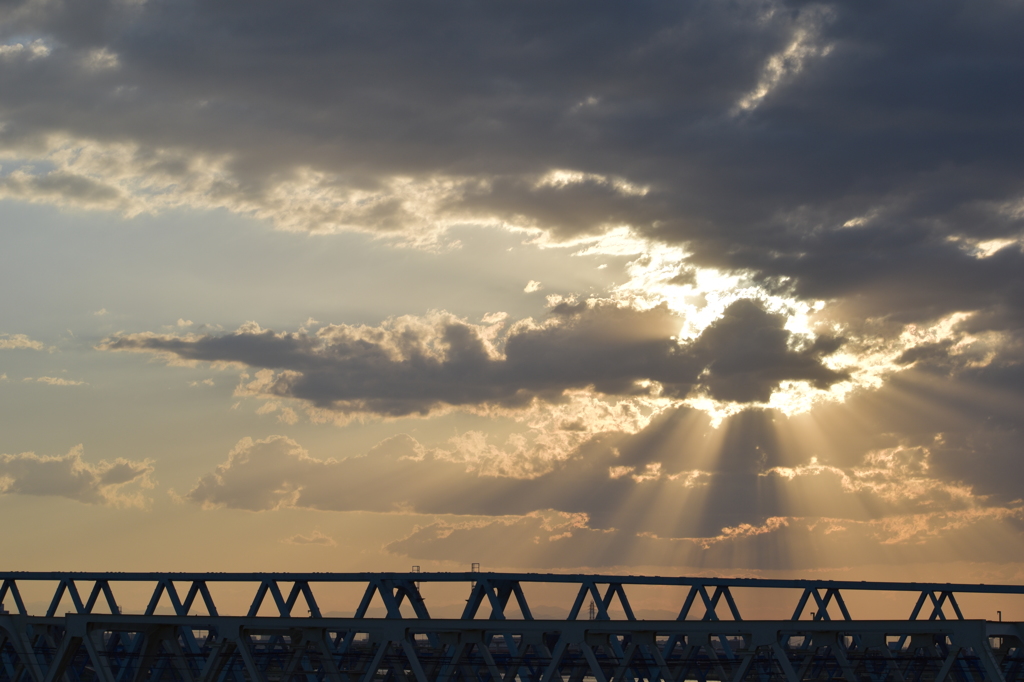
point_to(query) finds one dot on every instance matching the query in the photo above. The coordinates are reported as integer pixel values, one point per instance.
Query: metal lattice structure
(496, 639)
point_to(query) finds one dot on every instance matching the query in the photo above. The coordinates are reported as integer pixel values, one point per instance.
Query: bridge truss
(177, 638)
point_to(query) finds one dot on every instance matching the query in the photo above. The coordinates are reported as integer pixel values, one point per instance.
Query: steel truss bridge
(182, 636)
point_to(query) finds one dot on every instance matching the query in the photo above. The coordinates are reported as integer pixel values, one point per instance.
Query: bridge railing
(493, 596)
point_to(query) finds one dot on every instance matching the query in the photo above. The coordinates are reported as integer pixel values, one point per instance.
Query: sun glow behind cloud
(126, 178)
(661, 274)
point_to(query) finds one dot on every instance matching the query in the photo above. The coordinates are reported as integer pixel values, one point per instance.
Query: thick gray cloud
(838, 149)
(412, 366)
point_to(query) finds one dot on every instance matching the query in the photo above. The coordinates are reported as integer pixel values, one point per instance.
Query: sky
(703, 288)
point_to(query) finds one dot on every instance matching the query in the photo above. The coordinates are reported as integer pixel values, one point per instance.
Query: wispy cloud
(786, 64)
(56, 381)
(548, 540)
(314, 538)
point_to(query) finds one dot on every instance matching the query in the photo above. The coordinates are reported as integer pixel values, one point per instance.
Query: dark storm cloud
(568, 209)
(388, 88)
(757, 129)
(746, 354)
(904, 272)
(415, 365)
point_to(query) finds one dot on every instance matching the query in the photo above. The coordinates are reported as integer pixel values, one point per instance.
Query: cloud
(836, 151)
(37, 49)
(314, 538)
(678, 480)
(547, 541)
(887, 508)
(276, 473)
(56, 381)
(566, 204)
(532, 286)
(12, 341)
(835, 158)
(413, 365)
(116, 483)
(788, 62)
